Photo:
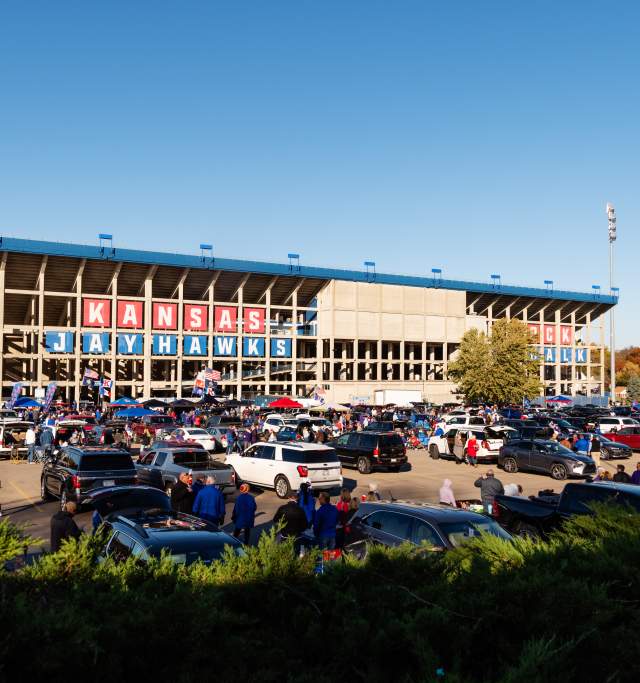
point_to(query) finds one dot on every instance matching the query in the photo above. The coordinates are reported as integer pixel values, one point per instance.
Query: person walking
(446, 494)
(635, 477)
(46, 441)
(581, 446)
(307, 502)
(292, 516)
(326, 521)
(343, 506)
(621, 476)
(244, 514)
(595, 448)
(63, 526)
(30, 443)
(182, 495)
(209, 503)
(472, 450)
(490, 487)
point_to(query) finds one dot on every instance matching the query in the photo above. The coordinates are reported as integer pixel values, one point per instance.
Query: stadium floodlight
(613, 236)
(103, 239)
(206, 251)
(496, 279)
(371, 270)
(549, 284)
(596, 290)
(294, 262)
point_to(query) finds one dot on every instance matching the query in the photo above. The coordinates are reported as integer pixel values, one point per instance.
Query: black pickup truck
(537, 516)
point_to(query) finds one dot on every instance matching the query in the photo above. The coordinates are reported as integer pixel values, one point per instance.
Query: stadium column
(294, 345)
(148, 323)
(114, 335)
(3, 266)
(210, 293)
(558, 364)
(587, 341)
(77, 331)
(574, 377)
(239, 327)
(267, 342)
(180, 335)
(39, 377)
(602, 365)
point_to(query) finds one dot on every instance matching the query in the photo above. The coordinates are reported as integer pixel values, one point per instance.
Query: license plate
(325, 474)
(394, 459)
(109, 482)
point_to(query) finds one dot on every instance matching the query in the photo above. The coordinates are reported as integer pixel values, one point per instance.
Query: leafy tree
(500, 368)
(633, 388)
(628, 370)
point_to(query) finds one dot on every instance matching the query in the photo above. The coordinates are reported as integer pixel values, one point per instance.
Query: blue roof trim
(13, 244)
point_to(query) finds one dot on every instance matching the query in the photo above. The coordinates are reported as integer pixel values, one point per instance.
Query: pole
(611, 215)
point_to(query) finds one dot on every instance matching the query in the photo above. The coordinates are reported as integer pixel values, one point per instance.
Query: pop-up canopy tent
(124, 401)
(285, 403)
(559, 399)
(26, 402)
(155, 403)
(133, 412)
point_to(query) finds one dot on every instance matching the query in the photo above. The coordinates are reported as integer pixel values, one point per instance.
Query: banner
(88, 376)
(105, 387)
(48, 397)
(15, 392)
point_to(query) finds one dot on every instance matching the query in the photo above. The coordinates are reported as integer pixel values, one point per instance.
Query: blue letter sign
(281, 348)
(130, 344)
(195, 345)
(164, 344)
(95, 342)
(59, 342)
(253, 346)
(225, 346)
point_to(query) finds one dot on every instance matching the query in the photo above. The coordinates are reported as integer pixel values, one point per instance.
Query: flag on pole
(88, 376)
(15, 392)
(105, 387)
(48, 397)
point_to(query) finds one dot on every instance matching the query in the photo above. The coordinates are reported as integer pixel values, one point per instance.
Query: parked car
(284, 466)
(162, 466)
(609, 449)
(71, 472)
(490, 440)
(7, 415)
(219, 436)
(274, 423)
(608, 424)
(629, 436)
(369, 451)
(195, 434)
(548, 457)
(379, 426)
(138, 522)
(225, 421)
(393, 523)
(537, 516)
(287, 434)
(153, 423)
(464, 420)
(12, 436)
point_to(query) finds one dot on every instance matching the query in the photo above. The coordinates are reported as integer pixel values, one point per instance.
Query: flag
(48, 396)
(15, 392)
(105, 387)
(211, 375)
(89, 375)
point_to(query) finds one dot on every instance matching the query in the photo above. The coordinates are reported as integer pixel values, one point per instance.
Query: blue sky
(479, 137)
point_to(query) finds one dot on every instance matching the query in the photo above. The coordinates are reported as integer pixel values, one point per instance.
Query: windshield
(195, 457)
(464, 530)
(197, 432)
(97, 463)
(553, 447)
(160, 420)
(309, 457)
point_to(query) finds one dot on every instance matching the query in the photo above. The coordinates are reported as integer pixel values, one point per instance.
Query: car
(537, 516)
(380, 426)
(162, 465)
(287, 434)
(284, 466)
(544, 456)
(629, 436)
(9, 416)
(219, 435)
(153, 424)
(490, 440)
(71, 472)
(464, 420)
(391, 523)
(274, 423)
(195, 434)
(608, 424)
(369, 451)
(224, 421)
(138, 522)
(12, 436)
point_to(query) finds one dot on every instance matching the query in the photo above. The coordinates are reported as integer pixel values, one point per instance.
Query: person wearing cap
(182, 495)
(209, 503)
(244, 514)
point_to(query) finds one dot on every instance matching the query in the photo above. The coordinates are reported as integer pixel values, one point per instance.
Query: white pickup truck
(490, 441)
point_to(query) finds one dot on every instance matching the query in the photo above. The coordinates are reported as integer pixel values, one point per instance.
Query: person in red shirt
(472, 450)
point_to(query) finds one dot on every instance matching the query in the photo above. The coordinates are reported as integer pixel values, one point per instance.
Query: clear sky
(480, 137)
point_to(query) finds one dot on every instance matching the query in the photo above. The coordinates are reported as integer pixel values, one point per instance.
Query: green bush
(562, 610)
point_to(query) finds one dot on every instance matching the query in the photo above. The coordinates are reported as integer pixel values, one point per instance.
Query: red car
(627, 435)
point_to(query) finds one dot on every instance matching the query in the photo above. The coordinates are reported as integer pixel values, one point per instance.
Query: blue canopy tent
(559, 399)
(125, 401)
(26, 402)
(134, 412)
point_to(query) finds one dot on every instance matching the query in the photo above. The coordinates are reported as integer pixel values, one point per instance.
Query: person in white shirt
(30, 443)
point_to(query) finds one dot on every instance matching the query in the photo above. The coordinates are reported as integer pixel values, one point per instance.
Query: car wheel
(44, 491)
(364, 465)
(528, 531)
(558, 471)
(237, 480)
(434, 451)
(510, 465)
(63, 499)
(282, 486)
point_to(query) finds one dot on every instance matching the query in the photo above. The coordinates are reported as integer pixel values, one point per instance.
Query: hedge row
(565, 610)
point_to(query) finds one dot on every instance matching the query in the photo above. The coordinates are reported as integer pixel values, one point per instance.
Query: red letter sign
(129, 313)
(196, 317)
(566, 335)
(225, 319)
(549, 334)
(254, 320)
(535, 330)
(165, 316)
(96, 312)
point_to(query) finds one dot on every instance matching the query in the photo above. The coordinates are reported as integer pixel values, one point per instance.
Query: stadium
(146, 323)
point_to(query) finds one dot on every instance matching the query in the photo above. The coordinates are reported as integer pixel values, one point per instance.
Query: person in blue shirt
(307, 502)
(209, 503)
(244, 514)
(326, 520)
(582, 445)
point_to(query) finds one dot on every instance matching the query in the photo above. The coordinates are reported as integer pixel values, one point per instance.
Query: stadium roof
(206, 262)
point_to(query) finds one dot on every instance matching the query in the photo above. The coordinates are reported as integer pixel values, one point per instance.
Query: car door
(523, 454)
(341, 444)
(423, 532)
(539, 458)
(245, 464)
(143, 468)
(265, 466)
(155, 471)
(389, 528)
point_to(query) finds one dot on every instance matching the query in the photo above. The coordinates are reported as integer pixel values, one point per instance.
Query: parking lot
(420, 481)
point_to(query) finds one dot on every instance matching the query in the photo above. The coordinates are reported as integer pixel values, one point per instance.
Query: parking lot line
(26, 496)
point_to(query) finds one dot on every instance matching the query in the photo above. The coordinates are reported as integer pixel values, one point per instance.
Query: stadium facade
(148, 322)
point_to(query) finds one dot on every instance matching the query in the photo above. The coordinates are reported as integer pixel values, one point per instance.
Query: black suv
(370, 450)
(547, 457)
(138, 522)
(73, 471)
(394, 523)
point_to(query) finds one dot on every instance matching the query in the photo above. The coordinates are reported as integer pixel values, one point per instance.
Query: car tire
(237, 480)
(282, 486)
(558, 471)
(44, 491)
(63, 499)
(510, 465)
(364, 465)
(434, 451)
(528, 531)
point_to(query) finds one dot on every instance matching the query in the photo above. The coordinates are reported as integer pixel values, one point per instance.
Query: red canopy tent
(285, 403)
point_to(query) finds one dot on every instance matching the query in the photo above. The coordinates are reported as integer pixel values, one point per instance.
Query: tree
(500, 368)
(633, 388)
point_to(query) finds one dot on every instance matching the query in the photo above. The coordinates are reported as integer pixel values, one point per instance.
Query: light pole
(611, 216)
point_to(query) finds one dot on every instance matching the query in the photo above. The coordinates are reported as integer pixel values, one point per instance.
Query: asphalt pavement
(420, 480)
